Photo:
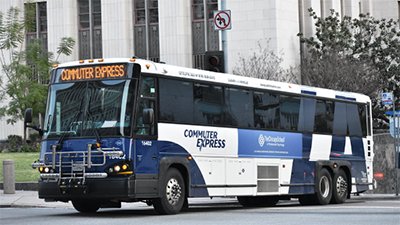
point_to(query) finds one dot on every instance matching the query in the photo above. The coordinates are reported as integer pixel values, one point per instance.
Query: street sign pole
(396, 145)
(222, 22)
(224, 41)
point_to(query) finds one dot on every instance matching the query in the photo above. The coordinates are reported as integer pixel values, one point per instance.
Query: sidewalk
(30, 199)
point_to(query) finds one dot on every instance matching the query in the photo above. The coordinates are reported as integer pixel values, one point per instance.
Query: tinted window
(176, 101)
(266, 110)
(324, 116)
(238, 107)
(340, 118)
(353, 120)
(289, 112)
(208, 104)
(148, 87)
(306, 114)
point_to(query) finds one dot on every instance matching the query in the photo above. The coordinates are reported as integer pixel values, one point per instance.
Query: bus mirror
(148, 116)
(28, 116)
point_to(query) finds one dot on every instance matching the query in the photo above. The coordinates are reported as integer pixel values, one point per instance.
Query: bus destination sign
(93, 72)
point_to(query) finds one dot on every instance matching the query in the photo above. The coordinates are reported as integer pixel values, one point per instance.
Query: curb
(23, 186)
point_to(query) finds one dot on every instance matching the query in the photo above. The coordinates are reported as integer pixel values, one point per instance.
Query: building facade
(179, 32)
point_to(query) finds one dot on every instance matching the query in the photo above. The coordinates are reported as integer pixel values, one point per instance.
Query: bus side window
(147, 100)
(289, 112)
(144, 129)
(266, 110)
(148, 88)
(306, 114)
(324, 116)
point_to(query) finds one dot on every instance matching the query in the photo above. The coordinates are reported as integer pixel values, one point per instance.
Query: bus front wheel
(173, 196)
(85, 206)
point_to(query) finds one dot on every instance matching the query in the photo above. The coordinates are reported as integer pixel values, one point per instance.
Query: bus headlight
(120, 168)
(46, 170)
(117, 168)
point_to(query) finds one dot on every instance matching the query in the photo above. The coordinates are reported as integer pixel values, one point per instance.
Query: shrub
(15, 142)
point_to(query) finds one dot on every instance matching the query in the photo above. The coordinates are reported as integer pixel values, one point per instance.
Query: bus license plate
(77, 167)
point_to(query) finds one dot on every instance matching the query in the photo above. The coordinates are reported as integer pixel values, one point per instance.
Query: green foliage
(11, 30)
(357, 55)
(26, 72)
(66, 46)
(15, 143)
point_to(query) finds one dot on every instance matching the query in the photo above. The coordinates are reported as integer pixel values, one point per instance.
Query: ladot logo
(261, 140)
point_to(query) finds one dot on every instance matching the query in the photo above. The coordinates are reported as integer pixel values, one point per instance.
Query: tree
(265, 64)
(357, 55)
(25, 73)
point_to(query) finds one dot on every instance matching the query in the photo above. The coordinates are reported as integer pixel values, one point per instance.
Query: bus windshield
(90, 108)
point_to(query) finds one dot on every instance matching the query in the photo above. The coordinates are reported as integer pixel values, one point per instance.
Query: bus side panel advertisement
(270, 144)
(201, 140)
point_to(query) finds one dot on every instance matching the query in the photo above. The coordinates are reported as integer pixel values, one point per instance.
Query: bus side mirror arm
(28, 120)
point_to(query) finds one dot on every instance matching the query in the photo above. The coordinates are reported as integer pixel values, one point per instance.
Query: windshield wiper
(64, 134)
(95, 131)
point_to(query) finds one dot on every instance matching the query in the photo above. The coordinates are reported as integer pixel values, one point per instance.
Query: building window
(36, 13)
(140, 12)
(36, 16)
(42, 17)
(90, 33)
(205, 37)
(146, 31)
(198, 9)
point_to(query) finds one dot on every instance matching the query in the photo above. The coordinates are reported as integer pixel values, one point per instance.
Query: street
(222, 211)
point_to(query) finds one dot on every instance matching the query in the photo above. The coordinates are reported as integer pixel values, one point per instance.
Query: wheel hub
(341, 186)
(324, 186)
(174, 191)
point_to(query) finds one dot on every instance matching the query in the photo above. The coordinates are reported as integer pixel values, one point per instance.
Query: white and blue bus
(127, 130)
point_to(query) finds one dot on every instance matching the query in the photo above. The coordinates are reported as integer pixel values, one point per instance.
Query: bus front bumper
(128, 188)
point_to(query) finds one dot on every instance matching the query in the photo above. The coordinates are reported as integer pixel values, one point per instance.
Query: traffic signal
(214, 61)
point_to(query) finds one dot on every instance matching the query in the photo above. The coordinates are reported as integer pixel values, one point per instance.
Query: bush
(26, 148)
(15, 142)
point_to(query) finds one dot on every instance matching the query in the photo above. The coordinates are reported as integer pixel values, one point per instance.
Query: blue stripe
(308, 92)
(345, 98)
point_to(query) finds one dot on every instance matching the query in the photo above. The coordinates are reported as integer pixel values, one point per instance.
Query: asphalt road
(353, 212)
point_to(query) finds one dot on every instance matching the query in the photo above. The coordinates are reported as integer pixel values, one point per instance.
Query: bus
(128, 130)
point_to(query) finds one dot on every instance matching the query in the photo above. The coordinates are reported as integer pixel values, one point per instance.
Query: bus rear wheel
(323, 193)
(340, 187)
(173, 196)
(85, 206)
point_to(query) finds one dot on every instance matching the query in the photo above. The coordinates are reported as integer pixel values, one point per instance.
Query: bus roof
(229, 79)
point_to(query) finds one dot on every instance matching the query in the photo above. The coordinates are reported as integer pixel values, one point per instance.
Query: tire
(340, 187)
(323, 192)
(257, 201)
(307, 199)
(86, 206)
(173, 196)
